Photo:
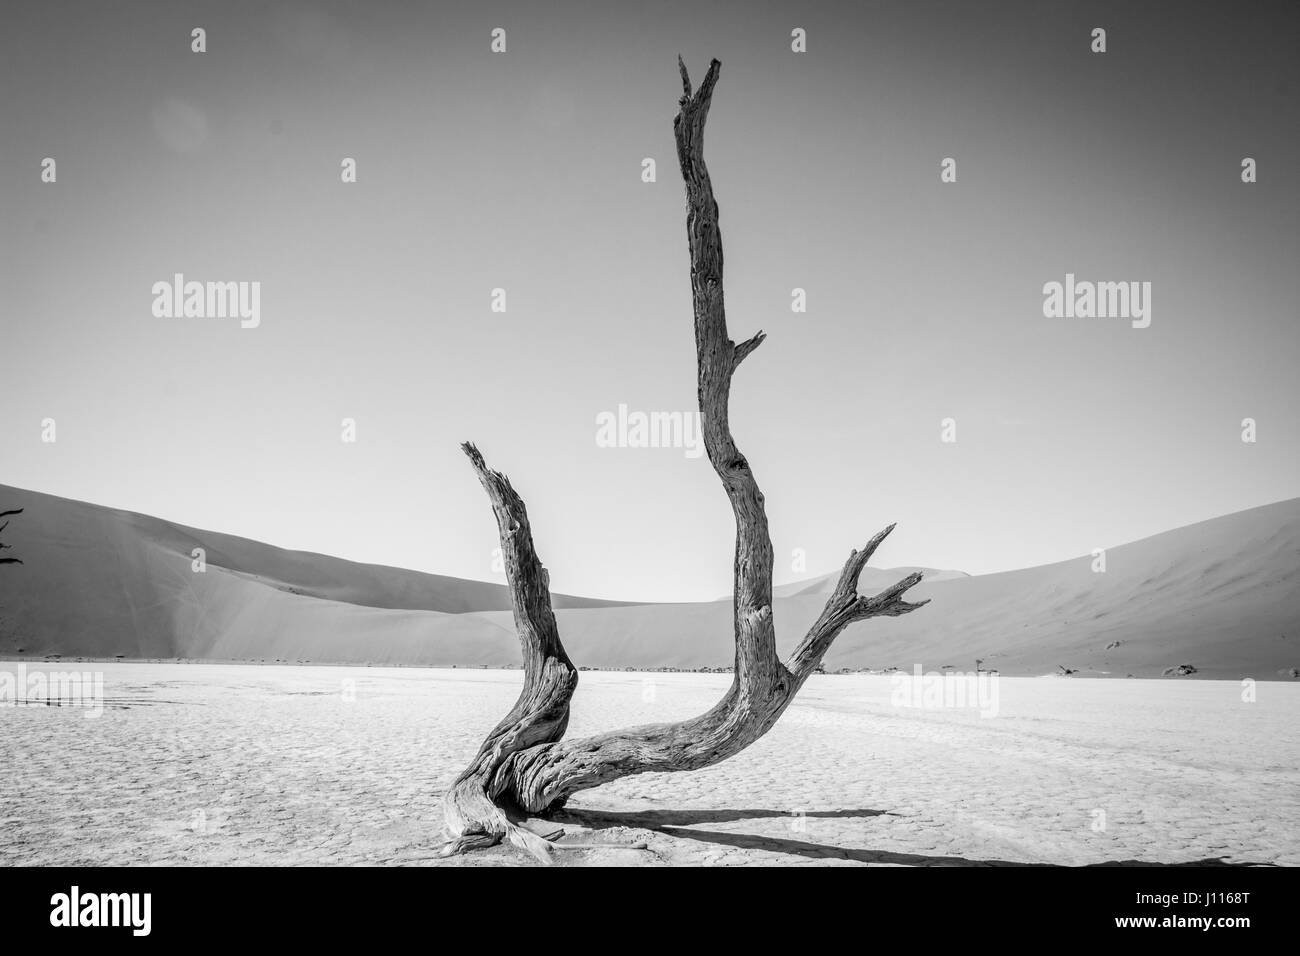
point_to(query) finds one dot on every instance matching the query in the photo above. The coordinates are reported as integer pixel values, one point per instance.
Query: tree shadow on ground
(681, 823)
(657, 819)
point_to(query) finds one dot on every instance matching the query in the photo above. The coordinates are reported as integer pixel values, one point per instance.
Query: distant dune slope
(99, 581)
(872, 579)
(1221, 595)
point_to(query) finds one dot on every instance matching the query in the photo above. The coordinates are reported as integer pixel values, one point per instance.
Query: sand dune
(1221, 595)
(103, 582)
(873, 579)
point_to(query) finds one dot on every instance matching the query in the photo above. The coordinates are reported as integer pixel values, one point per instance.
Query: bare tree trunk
(525, 766)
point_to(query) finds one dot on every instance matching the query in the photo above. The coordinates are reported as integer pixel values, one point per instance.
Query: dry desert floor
(211, 764)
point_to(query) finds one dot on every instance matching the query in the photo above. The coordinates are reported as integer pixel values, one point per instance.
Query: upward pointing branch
(529, 581)
(845, 606)
(757, 667)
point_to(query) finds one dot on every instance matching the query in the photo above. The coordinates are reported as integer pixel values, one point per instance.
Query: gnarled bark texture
(525, 766)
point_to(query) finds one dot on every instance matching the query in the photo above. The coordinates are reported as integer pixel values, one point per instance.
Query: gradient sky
(522, 170)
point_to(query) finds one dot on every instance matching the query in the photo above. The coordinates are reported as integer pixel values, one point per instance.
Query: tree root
(469, 841)
(538, 846)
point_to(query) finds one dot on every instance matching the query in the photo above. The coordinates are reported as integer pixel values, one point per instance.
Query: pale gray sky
(522, 170)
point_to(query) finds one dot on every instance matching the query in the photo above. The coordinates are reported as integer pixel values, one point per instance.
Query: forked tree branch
(845, 606)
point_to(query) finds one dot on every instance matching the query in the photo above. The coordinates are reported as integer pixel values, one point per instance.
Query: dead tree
(525, 766)
(6, 547)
